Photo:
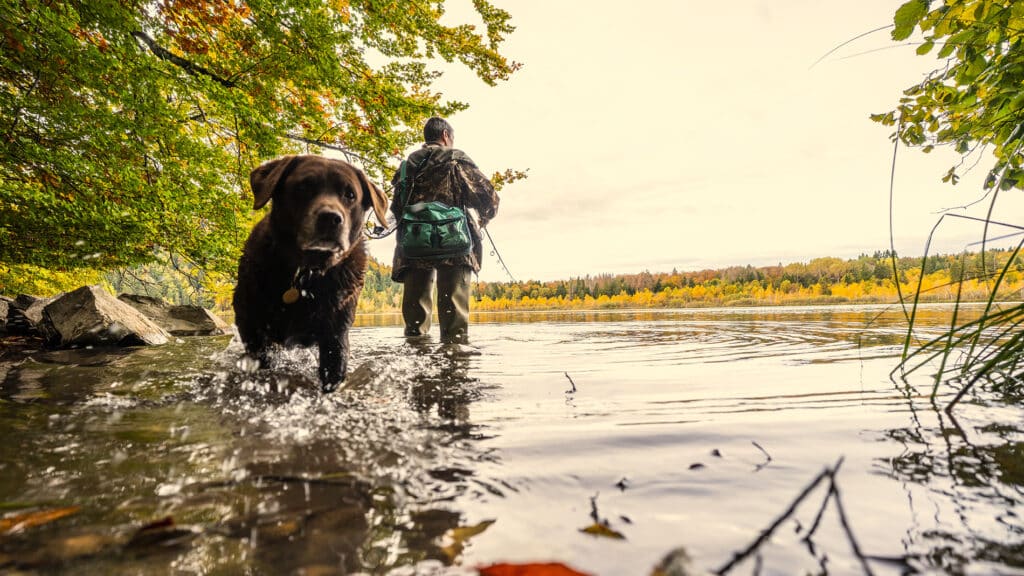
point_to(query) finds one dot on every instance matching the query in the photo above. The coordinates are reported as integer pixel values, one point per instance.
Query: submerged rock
(179, 320)
(91, 316)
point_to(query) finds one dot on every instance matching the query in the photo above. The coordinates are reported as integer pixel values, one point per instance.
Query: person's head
(438, 130)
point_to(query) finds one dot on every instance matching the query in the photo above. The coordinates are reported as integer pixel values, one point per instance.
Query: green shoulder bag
(431, 230)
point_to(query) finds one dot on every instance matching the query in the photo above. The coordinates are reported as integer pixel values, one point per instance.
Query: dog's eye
(350, 194)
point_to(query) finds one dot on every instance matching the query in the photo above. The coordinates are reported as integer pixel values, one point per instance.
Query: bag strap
(401, 183)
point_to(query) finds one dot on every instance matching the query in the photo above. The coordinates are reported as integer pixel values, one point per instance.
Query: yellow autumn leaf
(603, 531)
(454, 540)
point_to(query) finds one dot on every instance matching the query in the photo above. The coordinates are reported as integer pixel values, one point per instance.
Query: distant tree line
(867, 278)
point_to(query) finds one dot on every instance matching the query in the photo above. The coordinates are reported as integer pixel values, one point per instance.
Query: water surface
(671, 430)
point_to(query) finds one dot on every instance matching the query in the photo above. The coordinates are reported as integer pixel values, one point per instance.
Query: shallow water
(673, 430)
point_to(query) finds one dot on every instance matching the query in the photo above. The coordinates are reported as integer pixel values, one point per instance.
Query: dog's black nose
(329, 220)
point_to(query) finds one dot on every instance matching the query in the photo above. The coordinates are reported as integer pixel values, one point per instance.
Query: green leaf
(925, 48)
(907, 18)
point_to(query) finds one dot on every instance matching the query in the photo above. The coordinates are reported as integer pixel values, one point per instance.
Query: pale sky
(691, 135)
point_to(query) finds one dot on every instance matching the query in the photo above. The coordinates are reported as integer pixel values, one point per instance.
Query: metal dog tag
(290, 296)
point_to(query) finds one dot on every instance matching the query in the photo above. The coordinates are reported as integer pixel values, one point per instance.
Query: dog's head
(321, 201)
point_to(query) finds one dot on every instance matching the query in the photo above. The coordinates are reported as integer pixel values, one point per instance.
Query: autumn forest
(866, 279)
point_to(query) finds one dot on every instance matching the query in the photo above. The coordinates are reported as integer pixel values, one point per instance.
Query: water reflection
(436, 457)
(964, 476)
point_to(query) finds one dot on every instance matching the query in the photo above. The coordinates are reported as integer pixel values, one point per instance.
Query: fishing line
(494, 252)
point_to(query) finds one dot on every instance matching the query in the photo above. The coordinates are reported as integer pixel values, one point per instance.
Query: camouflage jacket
(435, 173)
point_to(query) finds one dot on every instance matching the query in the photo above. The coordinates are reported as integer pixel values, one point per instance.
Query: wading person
(441, 202)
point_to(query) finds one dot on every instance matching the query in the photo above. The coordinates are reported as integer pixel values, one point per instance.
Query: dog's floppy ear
(265, 177)
(374, 197)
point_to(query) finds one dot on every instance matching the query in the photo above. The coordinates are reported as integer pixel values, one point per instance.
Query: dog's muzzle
(327, 235)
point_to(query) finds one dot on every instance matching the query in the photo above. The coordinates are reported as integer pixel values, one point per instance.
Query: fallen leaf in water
(602, 530)
(162, 532)
(548, 569)
(454, 540)
(19, 522)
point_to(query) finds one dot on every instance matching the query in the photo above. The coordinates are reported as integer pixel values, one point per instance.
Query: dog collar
(304, 275)
(298, 289)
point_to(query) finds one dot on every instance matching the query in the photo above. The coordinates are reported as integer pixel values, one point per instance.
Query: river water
(606, 441)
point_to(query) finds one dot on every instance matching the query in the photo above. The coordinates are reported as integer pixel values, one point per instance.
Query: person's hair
(435, 128)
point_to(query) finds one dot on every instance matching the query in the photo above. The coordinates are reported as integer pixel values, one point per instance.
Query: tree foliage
(866, 279)
(128, 127)
(973, 100)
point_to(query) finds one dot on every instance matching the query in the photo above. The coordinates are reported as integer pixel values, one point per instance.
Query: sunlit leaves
(129, 129)
(973, 99)
(907, 18)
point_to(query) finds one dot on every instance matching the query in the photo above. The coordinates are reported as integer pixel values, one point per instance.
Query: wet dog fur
(302, 268)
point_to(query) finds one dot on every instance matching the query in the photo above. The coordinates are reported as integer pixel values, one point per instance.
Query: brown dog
(302, 268)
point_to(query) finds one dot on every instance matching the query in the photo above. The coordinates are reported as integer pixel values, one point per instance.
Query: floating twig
(593, 510)
(768, 457)
(570, 382)
(601, 527)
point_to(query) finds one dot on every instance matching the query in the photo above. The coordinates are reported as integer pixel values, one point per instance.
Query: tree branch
(349, 155)
(190, 67)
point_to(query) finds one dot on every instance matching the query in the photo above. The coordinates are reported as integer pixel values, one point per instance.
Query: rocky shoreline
(91, 316)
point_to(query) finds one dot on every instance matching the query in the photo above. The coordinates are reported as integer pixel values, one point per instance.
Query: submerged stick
(824, 505)
(832, 494)
(767, 533)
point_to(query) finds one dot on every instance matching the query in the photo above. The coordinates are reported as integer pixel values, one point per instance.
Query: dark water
(688, 431)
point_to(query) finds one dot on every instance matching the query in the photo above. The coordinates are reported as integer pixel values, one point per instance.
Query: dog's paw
(329, 382)
(329, 386)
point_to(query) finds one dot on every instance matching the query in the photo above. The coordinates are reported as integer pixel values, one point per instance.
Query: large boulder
(91, 316)
(179, 320)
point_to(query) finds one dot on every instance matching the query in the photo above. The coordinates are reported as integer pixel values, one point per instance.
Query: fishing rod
(494, 252)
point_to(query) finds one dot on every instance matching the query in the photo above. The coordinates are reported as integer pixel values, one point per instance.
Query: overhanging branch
(349, 155)
(190, 67)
